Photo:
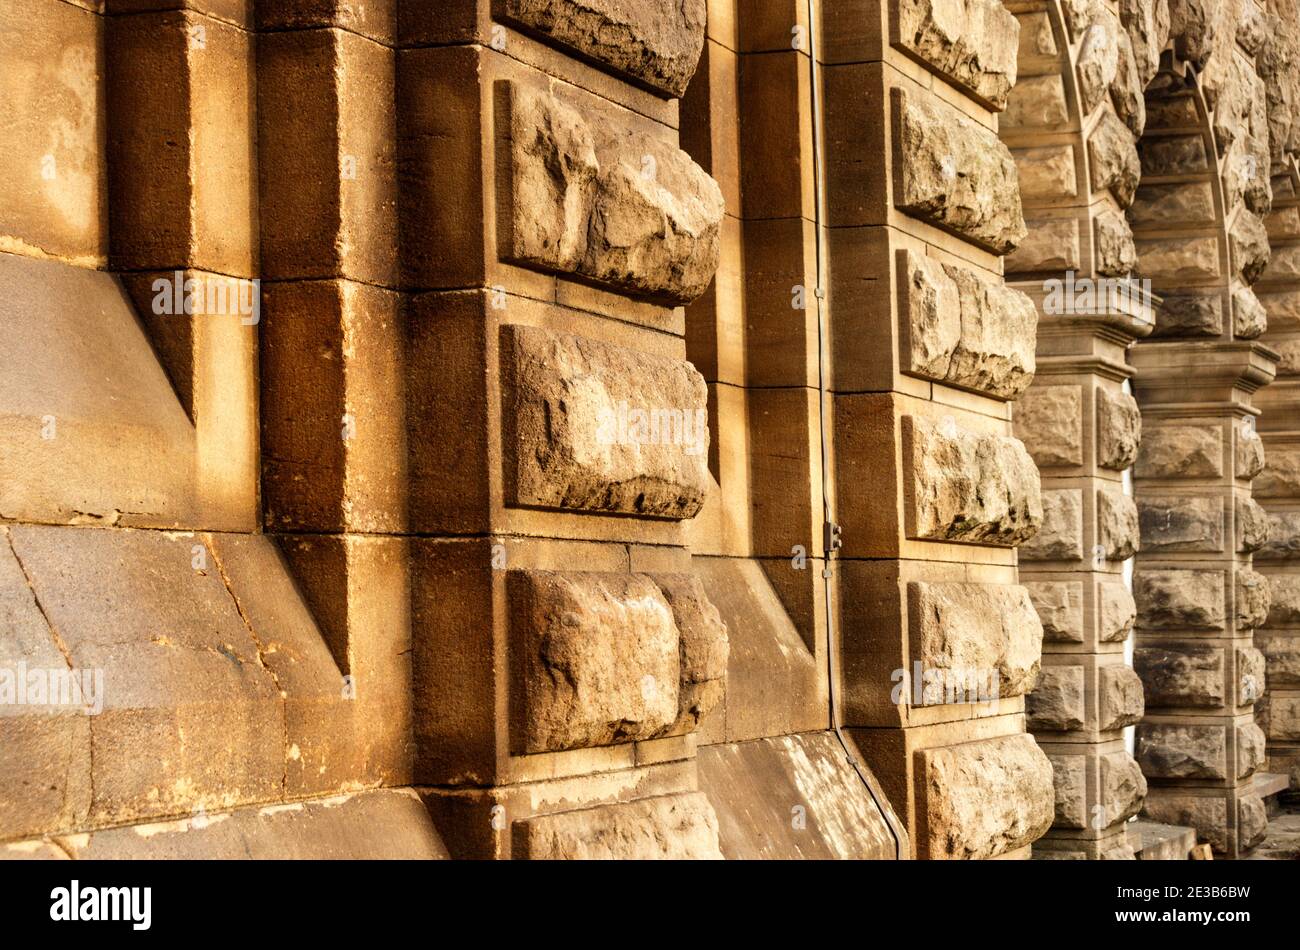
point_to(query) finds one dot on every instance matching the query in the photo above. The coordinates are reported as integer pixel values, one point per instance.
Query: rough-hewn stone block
(1119, 697)
(977, 627)
(656, 43)
(987, 797)
(1049, 420)
(1282, 658)
(1184, 676)
(1060, 609)
(1116, 611)
(1181, 751)
(1037, 102)
(703, 648)
(1252, 525)
(955, 173)
(1069, 775)
(669, 827)
(1057, 702)
(1252, 590)
(1123, 786)
(968, 486)
(588, 195)
(1181, 452)
(1281, 477)
(1181, 523)
(1061, 536)
(598, 427)
(972, 42)
(1115, 162)
(1119, 429)
(1170, 600)
(1117, 524)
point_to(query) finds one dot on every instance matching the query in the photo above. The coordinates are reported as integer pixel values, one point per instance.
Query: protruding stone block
(1182, 751)
(1181, 523)
(596, 427)
(1181, 452)
(1117, 524)
(1061, 536)
(1070, 777)
(1119, 429)
(1183, 676)
(703, 648)
(1116, 611)
(1057, 702)
(955, 173)
(1252, 599)
(1115, 163)
(1060, 608)
(668, 827)
(1049, 420)
(1123, 786)
(1252, 525)
(971, 42)
(1180, 599)
(1119, 697)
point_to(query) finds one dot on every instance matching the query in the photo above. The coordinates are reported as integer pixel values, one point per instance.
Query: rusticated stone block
(1278, 714)
(1252, 525)
(1175, 260)
(1252, 821)
(1251, 667)
(1049, 420)
(1123, 786)
(1116, 611)
(1061, 536)
(657, 43)
(1057, 704)
(1252, 599)
(1047, 172)
(1119, 429)
(1069, 777)
(597, 659)
(1128, 91)
(1209, 816)
(1281, 477)
(1249, 242)
(587, 195)
(598, 427)
(1284, 605)
(988, 797)
(1060, 608)
(977, 627)
(1181, 523)
(1193, 315)
(1119, 699)
(1184, 676)
(1249, 458)
(1115, 163)
(1181, 452)
(965, 330)
(972, 42)
(1117, 524)
(703, 648)
(955, 173)
(968, 486)
(1184, 201)
(1052, 244)
(1250, 748)
(1181, 751)
(1115, 254)
(378, 21)
(1180, 599)
(1098, 60)
(669, 827)
(1249, 318)
(1172, 155)
(1282, 660)
(1037, 102)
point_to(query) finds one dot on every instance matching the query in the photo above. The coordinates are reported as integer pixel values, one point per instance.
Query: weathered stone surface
(597, 659)
(1278, 714)
(1049, 420)
(1181, 452)
(1180, 599)
(657, 43)
(1056, 704)
(1123, 786)
(1190, 316)
(1209, 816)
(1069, 776)
(1280, 478)
(581, 201)
(1180, 751)
(1252, 599)
(1249, 318)
(1059, 605)
(1119, 697)
(1162, 205)
(1250, 748)
(1189, 675)
(973, 42)
(1116, 611)
(1098, 61)
(967, 486)
(1119, 429)
(1281, 657)
(1116, 254)
(1061, 536)
(1283, 537)
(1115, 162)
(1147, 23)
(955, 173)
(987, 797)
(1284, 605)
(1117, 524)
(1052, 244)
(1181, 523)
(1128, 91)
(1178, 260)
(1036, 102)
(703, 648)
(1047, 172)
(1252, 821)
(1173, 154)
(966, 330)
(977, 627)
(1252, 525)
(598, 427)
(1249, 243)
(666, 827)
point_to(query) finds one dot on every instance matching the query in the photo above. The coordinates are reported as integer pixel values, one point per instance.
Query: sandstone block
(967, 486)
(1181, 523)
(1047, 172)
(1282, 658)
(1252, 821)
(1248, 240)
(597, 427)
(658, 44)
(703, 649)
(1170, 600)
(1209, 816)
(1115, 163)
(1057, 702)
(1193, 315)
(597, 659)
(977, 627)
(1249, 318)
(1117, 524)
(987, 797)
(1116, 611)
(1123, 786)
(1281, 477)
(1060, 609)
(955, 173)
(1116, 254)
(1252, 525)
(1061, 536)
(1070, 777)
(667, 827)
(1284, 604)
(972, 42)
(1049, 420)
(1180, 751)
(1119, 429)
(1283, 537)
(1179, 260)
(1184, 676)
(1098, 61)
(589, 196)
(1249, 456)
(1278, 714)
(1252, 599)
(1037, 102)
(1181, 452)
(1119, 697)
(1128, 91)
(1250, 749)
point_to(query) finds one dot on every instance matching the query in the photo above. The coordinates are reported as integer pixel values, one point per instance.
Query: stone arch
(1072, 123)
